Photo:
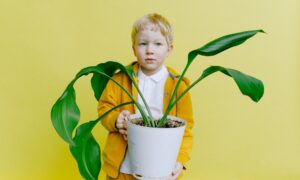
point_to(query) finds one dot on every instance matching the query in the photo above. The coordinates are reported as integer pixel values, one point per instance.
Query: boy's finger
(175, 175)
(177, 170)
(126, 112)
(125, 137)
(123, 131)
(124, 124)
(119, 125)
(170, 178)
(126, 115)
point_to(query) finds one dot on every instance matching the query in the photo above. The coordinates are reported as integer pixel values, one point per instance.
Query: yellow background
(44, 43)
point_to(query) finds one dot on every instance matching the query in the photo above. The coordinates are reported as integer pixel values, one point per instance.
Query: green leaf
(221, 44)
(248, 85)
(99, 81)
(86, 151)
(65, 114)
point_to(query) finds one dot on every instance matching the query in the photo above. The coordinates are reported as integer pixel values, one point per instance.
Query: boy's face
(151, 49)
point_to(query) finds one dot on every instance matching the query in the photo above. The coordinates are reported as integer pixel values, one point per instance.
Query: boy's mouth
(150, 60)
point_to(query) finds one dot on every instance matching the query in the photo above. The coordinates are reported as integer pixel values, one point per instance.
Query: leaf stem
(145, 103)
(145, 118)
(170, 105)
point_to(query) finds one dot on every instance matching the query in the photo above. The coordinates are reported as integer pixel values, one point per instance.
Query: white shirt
(152, 88)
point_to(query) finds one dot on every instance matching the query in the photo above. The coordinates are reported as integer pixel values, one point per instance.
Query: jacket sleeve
(185, 111)
(107, 101)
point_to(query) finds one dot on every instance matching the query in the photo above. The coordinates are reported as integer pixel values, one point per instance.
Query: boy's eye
(142, 44)
(158, 44)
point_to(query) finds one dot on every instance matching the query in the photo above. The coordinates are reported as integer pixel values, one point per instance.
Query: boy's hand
(176, 171)
(121, 123)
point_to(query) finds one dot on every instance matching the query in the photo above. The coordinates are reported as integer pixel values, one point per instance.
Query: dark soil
(168, 123)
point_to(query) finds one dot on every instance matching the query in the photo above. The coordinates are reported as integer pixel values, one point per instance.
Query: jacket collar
(163, 72)
(172, 73)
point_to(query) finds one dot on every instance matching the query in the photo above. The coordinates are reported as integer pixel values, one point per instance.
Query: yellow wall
(44, 43)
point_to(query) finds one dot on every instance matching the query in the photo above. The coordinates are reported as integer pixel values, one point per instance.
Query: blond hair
(159, 21)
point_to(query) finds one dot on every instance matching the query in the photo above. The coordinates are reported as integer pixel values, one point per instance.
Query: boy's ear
(133, 50)
(170, 48)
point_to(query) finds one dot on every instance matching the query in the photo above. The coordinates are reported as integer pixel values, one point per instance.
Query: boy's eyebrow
(142, 39)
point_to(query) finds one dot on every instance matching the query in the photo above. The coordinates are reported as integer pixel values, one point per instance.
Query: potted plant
(65, 113)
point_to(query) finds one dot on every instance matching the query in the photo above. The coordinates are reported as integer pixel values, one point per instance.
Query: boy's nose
(149, 50)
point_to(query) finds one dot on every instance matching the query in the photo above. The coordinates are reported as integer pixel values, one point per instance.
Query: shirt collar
(155, 77)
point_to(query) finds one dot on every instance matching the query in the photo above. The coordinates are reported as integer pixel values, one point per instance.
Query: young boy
(152, 43)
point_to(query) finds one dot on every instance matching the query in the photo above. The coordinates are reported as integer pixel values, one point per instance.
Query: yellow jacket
(113, 95)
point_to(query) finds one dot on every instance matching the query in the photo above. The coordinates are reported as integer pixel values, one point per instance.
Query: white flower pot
(153, 151)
